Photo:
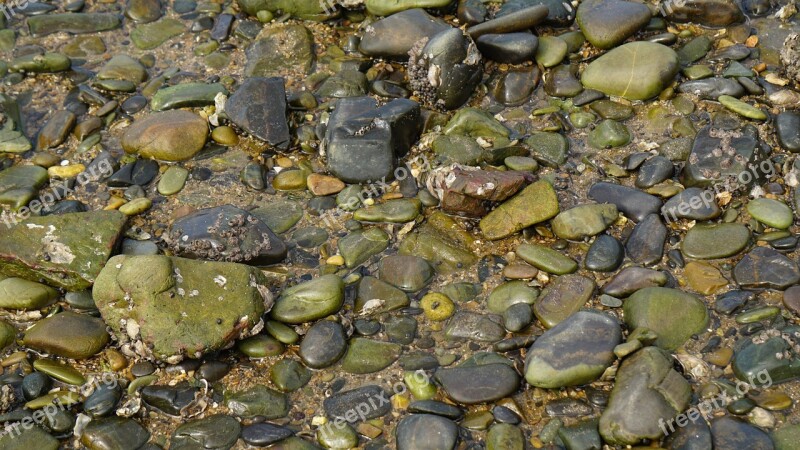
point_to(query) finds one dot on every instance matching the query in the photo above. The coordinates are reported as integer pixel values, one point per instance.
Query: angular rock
(536, 203)
(647, 392)
(394, 36)
(563, 297)
(766, 268)
(280, 49)
(259, 107)
(67, 250)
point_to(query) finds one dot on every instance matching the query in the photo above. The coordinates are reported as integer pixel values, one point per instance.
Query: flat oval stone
(584, 220)
(631, 279)
(771, 212)
(645, 245)
(787, 128)
(69, 335)
(61, 372)
(766, 268)
(264, 434)
(212, 432)
(693, 203)
(369, 356)
(653, 66)
(323, 344)
(478, 384)
(309, 301)
(340, 404)
(510, 48)
(476, 327)
(672, 314)
(173, 180)
(547, 259)
(168, 136)
(728, 432)
(564, 296)
(606, 23)
(17, 293)
(574, 352)
(114, 432)
(713, 241)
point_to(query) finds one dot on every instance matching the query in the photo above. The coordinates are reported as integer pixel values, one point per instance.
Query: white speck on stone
(220, 280)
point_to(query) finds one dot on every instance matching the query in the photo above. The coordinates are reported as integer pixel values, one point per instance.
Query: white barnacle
(220, 280)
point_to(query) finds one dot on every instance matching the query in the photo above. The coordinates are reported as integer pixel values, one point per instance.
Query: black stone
(259, 108)
(511, 48)
(225, 233)
(168, 399)
(323, 344)
(787, 128)
(633, 203)
(605, 254)
(654, 171)
(646, 244)
(372, 399)
(712, 88)
(264, 434)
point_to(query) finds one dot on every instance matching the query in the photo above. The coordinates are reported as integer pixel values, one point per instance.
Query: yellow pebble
(437, 306)
(114, 203)
(336, 260)
(65, 172)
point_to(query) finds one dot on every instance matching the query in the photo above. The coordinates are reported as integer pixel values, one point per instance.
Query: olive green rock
(77, 245)
(309, 301)
(399, 210)
(504, 436)
(635, 71)
(609, 134)
(535, 204)
(584, 220)
(123, 67)
(771, 212)
(300, 9)
(547, 259)
(59, 371)
(68, 334)
(18, 293)
(168, 136)
(713, 241)
(75, 23)
(441, 242)
(173, 180)
(510, 293)
(180, 307)
(7, 334)
(376, 296)
(186, 95)
(360, 245)
(672, 314)
(46, 63)
(19, 184)
(27, 438)
(475, 123)
(742, 108)
(387, 8)
(279, 49)
(369, 356)
(151, 35)
(563, 297)
(258, 400)
(647, 392)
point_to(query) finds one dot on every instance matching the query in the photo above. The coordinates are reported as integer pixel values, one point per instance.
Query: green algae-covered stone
(77, 246)
(536, 203)
(180, 307)
(636, 71)
(309, 301)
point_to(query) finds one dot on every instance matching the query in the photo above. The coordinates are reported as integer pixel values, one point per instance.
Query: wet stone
(473, 326)
(168, 136)
(612, 72)
(394, 36)
(633, 203)
(713, 241)
(264, 434)
(388, 297)
(73, 23)
(69, 335)
(259, 107)
(278, 50)
(719, 154)
(213, 432)
(340, 405)
(369, 356)
(563, 297)
(728, 432)
(514, 87)
(509, 294)
(547, 259)
(606, 23)
(787, 129)
(764, 267)
(323, 344)
(692, 203)
(672, 314)
(510, 48)
(574, 352)
(225, 233)
(426, 432)
(584, 221)
(645, 245)
(605, 254)
(258, 400)
(654, 171)
(479, 383)
(309, 301)
(409, 273)
(151, 35)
